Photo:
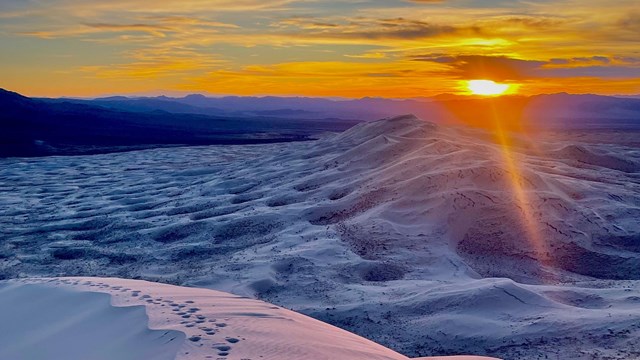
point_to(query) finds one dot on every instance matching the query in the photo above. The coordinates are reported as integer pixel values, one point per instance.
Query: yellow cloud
(365, 50)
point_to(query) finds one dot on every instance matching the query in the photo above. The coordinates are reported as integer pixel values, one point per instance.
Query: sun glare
(487, 87)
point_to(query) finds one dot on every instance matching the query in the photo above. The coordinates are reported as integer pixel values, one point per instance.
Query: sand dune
(49, 322)
(430, 240)
(106, 318)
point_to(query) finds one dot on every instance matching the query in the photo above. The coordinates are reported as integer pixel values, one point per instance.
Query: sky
(390, 48)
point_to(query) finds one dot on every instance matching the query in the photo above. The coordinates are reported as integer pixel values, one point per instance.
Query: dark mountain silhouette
(32, 127)
(555, 110)
(142, 105)
(281, 107)
(69, 126)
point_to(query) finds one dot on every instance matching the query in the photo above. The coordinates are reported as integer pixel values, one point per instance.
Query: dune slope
(428, 239)
(106, 318)
(47, 322)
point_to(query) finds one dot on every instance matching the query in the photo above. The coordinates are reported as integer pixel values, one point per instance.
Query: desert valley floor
(428, 239)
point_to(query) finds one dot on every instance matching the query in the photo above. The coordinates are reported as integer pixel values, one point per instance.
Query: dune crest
(104, 318)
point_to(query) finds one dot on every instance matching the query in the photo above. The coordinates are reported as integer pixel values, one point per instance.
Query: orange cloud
(395, 48)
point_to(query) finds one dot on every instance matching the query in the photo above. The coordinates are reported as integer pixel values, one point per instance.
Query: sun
(487, 87)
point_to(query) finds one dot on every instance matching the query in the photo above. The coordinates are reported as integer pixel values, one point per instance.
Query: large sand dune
(430, 240)
(98, 318)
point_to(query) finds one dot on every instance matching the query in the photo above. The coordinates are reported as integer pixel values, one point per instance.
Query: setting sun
(487, 87)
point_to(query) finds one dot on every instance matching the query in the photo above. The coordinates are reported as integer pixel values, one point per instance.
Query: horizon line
(176, 94)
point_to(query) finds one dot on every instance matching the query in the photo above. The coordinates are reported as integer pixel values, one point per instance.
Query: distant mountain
(33, 127)
(584, 111)
(284, 107)
(143, 105)
(45, 126)
(555, 111)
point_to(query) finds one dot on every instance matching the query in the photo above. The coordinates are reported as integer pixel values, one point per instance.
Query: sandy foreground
(110, 318)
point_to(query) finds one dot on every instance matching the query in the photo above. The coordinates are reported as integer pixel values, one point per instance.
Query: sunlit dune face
(487, 88)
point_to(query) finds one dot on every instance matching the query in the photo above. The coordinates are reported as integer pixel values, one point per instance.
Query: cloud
(364, 28)
(330, 78)
(503, 68)
(540, 22)
(188, 20)
(485, 67)
(597, 60)
(345, 46)
(304, 22)
(156, 62)
(630, 22)
(95, 8)
(156, 30)
(368, 55)
(156, 25)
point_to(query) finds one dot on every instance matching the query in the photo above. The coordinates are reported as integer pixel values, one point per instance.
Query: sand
(109, 318)
(430, 240)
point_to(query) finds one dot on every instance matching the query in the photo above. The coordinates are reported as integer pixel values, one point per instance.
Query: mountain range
(65, 126)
